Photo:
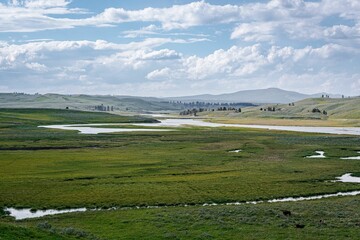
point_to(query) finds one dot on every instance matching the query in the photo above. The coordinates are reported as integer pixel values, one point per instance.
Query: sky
(179, 47)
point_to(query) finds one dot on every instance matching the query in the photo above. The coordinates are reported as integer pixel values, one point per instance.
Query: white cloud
(164, 73)
(36, 66)
(175, 17)
(265, 66)
(45, 3)
(275, 21)
(255, 32)
(10, 53)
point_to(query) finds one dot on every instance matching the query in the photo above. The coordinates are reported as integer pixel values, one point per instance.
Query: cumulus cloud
(269, 64)
(45, 3)
(36, 66)
(253, 22)
(139, 50)
(255, 32)
(272, 43)
(60, 64)
(164, 73)
(175, 17)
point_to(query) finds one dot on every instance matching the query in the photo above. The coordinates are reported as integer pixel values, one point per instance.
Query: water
(320, 154)
(21, 214)
(26, 213)
(347, 178)
(89, 129)
(351, 158)
(235, 151)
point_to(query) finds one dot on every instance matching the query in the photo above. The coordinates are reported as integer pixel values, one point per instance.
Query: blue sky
(179, 47)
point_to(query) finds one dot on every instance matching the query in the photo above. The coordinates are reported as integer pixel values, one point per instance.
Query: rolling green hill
(336, 108)
(84, 102)
(269, 95)
(339, 112)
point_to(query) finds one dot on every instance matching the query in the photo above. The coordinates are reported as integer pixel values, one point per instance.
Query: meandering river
(175, 123)
(20, 214)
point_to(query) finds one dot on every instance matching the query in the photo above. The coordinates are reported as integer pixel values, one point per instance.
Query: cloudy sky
(179, 47)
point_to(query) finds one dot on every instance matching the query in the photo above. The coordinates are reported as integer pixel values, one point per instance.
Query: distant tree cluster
(211, 105)
(229, 109)
(270, 109)
(316, 110)
(22, 93)
(104, 108)
(194, 111)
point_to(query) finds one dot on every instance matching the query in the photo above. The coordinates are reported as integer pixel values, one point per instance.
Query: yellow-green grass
(287, 122)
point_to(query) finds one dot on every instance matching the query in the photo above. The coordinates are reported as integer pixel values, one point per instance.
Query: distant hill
(269, 95)
(335, 108)
(144, 104)
(84, 102)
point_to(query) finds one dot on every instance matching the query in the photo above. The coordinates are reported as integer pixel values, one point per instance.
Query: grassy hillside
(340, 112)
(83, 102)
(27, 116)
(269, 95)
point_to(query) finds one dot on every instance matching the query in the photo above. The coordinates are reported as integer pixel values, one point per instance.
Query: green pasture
(47, 168)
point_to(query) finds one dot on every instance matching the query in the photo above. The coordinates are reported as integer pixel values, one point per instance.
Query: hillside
(269, 95)
(84, 102)
(339, 112)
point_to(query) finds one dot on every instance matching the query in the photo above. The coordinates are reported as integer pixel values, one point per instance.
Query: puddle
(347, 178)
(235, 151)
(320, 155)
(351, 158)
(26, 213)
(178, 122)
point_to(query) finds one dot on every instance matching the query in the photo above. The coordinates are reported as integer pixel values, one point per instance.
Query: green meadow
(56, 169)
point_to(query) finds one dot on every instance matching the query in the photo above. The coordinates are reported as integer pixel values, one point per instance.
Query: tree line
(195, 111)
(104, 108)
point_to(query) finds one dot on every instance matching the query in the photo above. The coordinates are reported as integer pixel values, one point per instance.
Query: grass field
(47, 168)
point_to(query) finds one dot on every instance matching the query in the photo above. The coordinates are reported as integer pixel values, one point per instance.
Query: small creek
(320, 154)
(351, 158)
(21, 214)
(235, 151)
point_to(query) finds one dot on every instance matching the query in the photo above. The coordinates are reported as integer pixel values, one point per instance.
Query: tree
(316, 110)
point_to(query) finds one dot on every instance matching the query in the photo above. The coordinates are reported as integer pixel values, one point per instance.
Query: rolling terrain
(146, 104)
(269, 95)
(85, 102)
(339, 112)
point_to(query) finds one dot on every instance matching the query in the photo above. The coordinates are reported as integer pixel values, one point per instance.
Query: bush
(44, 225)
